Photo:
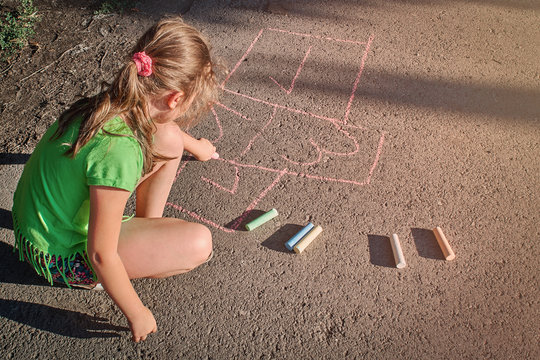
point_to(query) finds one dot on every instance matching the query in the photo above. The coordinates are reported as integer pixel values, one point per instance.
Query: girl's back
(51, 204)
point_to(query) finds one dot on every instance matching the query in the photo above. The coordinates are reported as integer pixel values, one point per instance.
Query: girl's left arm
(106, 211)
(202, 149)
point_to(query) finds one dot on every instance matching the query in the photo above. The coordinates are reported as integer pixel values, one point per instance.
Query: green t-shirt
(51, 205)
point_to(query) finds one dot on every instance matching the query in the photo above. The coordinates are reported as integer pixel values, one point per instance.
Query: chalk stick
(398, 254)
(215, 155)
(261, 219)
(443, 243)
(299, 235)
(303, 244)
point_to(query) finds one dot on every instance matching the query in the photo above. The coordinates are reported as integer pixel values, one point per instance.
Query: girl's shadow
(43, 317)
(6, 220)
(17, 272)
(58, 321)
(13, 159)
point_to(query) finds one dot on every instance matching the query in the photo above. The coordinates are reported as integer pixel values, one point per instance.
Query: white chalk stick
(306, 240)
(443, 243)
(398, 253)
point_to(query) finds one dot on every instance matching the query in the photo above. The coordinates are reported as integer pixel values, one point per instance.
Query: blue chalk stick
(299, 235)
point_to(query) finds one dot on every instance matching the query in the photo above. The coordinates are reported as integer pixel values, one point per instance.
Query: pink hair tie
(144, 63)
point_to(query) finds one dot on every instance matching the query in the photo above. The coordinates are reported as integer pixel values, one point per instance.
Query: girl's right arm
(106, 210)
(202, 149)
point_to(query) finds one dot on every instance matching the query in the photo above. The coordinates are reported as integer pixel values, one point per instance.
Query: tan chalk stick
(303, 244)
(398, 253)
(443, 243)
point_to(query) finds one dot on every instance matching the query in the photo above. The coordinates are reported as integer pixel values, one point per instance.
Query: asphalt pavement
(368, 118)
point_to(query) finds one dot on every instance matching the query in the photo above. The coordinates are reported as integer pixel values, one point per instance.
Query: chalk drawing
(295, 76)
(248, 116)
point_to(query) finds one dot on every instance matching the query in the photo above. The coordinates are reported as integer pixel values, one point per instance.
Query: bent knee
(201, 244)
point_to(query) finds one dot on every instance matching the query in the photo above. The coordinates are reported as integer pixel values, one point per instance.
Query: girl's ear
(174, 98)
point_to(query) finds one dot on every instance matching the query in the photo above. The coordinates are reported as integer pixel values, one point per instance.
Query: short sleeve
(115, 161)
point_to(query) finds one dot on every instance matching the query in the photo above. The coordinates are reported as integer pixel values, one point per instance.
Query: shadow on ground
(6, 221)
(58, 321)
(239, 224)
(277, 241)
(380, 251)
(426, 244)
(13, 159)
(421, 91)
(17, 272)
(44, 317)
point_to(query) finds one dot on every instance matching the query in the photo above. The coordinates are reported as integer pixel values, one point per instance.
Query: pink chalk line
(233, 111)
(355, 85)
(315, 177)
(357, 80)
(319, 157)
(286, 32)
(284, 107)
(320, 117)
(218, 123)
(377, 157)
(235, 185)
(356, 145)
(352, 126)
(199, 218)
(252, 206)
(258, 134)
(337, 123)
(242, 59)
(180, 169)
(295, 77)
(276, 180)
(318, 37)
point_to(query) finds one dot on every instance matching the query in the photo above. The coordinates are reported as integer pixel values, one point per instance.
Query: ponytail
(171, 55)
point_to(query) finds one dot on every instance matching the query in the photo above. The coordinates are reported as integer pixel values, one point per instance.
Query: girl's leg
(153, 246)
(154, 188)
(161, 247)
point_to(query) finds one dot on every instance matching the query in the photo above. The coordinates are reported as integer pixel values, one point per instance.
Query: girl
(69, 203)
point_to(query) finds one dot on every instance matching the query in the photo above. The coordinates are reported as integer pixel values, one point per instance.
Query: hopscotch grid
(233, 111)
(357, 80)
(288, 92)
(339, 124)
(332, 120)
(252, 141)
(242, 59)
(280, 173)
(354, 87)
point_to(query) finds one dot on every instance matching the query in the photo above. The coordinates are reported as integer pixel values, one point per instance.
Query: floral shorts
(77, 271)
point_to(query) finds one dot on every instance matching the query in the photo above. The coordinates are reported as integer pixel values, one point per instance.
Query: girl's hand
(204, 150)
(142, 324)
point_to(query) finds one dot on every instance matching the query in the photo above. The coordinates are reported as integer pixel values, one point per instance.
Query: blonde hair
(181, 61)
